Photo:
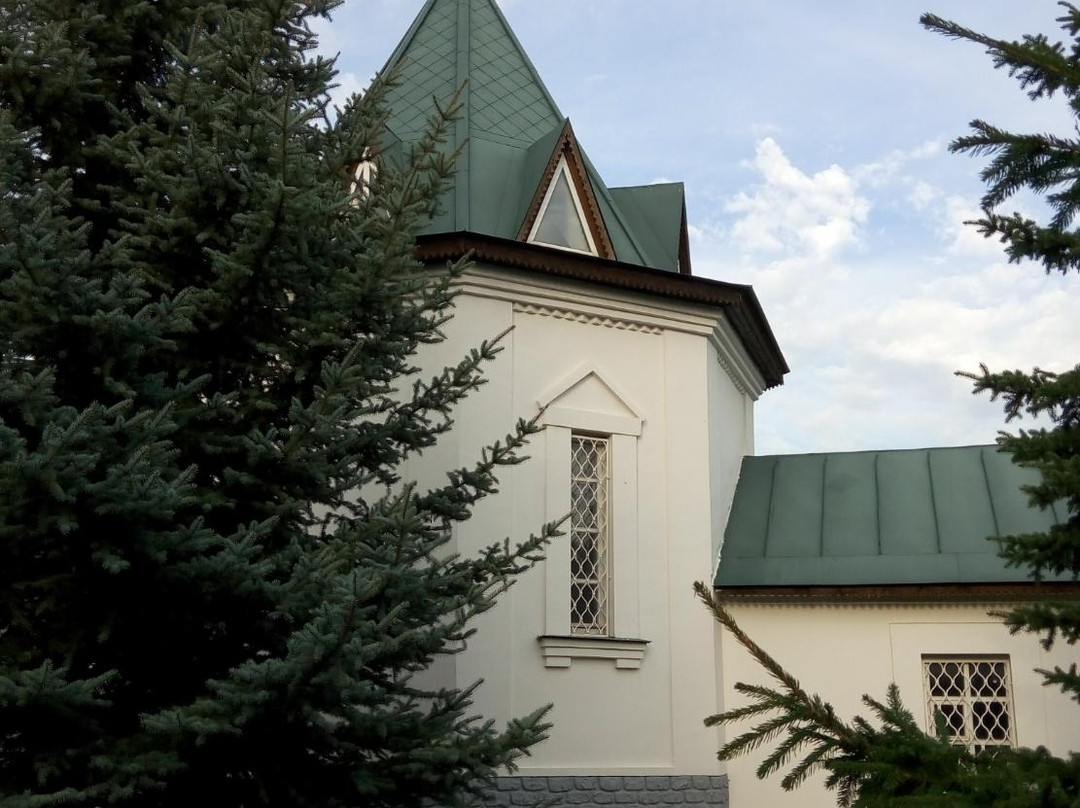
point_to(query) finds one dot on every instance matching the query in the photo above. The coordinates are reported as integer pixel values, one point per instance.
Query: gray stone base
(706, 791)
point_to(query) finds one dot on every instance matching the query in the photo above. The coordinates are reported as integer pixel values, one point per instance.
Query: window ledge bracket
(559, 651)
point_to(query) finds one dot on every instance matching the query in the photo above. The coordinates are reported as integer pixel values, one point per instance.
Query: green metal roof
(507, 131)
(913, 516)
(655, 213)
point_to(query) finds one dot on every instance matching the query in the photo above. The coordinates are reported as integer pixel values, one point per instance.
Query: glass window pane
(589, 579)
(561, 226)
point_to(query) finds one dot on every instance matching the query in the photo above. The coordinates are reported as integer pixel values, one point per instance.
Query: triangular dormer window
(561, 219)
(564, 212)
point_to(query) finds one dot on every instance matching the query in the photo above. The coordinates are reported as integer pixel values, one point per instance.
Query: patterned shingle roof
(507, 113)
(506, 96)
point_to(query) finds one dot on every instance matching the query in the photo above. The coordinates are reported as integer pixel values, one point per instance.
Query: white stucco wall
(842, 652)
(657, 363)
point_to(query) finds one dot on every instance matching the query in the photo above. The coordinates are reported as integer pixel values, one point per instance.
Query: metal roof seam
(821, 522)
(933, 501)
(877, 501)
(769, 512)
(929, 506)
(462, 126)
(989, 493)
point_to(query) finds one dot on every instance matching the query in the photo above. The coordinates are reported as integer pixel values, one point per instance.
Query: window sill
(561, 651)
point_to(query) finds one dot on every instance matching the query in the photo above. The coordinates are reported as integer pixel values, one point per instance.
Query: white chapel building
(853, 569)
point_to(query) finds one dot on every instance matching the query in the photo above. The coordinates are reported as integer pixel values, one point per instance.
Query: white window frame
(364, 175)
(967, 699)
(563, 168)
(622, 643)
(600, 577)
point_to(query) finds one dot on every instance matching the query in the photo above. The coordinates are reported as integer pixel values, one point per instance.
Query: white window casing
(614, 634)
(974, 695)
(561, 221)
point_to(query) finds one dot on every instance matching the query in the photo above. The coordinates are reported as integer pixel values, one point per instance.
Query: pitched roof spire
(508, 127)
(454, 43)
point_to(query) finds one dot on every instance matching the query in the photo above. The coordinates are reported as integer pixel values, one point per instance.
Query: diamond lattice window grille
(974, 696)
(590, 539)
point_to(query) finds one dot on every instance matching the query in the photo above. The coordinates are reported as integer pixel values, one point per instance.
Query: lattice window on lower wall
(590, 535)
(974, 697)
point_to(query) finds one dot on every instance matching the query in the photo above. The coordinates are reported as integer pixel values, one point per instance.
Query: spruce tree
(889, 761)
(214, 582)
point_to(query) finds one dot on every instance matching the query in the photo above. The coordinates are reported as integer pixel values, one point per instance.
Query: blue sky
(812, 140)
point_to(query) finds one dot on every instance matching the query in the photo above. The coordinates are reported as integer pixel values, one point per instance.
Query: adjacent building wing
(878, 518)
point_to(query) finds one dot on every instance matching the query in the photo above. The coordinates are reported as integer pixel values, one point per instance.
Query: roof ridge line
(462, 189)
(646, 185)
(878, 451)
(524, 55)
(410, 35)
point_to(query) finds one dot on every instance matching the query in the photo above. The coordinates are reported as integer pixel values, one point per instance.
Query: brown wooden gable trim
(904, 593)
(738, 301)
(567, 146)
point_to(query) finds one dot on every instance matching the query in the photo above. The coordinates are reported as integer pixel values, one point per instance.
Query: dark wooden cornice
(738, 301)
(1021, 591)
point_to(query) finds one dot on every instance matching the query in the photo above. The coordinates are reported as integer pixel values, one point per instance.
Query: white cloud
(874, 335)
(889, 168)
(922, 195)
(794, 212)
(964, 239)
(348, 85)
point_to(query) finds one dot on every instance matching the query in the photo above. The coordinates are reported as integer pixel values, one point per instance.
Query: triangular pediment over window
(588, 399)
(564, 212)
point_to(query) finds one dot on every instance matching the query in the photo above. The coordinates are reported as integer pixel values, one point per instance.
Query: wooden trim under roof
(567, 146)
(738, 301)
(904, 593)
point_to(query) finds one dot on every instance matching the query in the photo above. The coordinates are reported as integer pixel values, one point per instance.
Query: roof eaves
(1024, 591)
(738, 300)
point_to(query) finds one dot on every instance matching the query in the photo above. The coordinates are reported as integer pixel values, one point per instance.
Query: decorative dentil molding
(741, 377)
(736, 378)
(586, 318)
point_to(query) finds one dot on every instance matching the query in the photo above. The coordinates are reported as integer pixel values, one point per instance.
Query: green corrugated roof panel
(796, 510)
(964, 510)
(507, 131)
(919, 516)
(1010, 503)
(655, 213)
(849, 505)
(749, 517)
(907, 521)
